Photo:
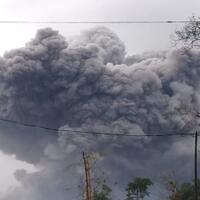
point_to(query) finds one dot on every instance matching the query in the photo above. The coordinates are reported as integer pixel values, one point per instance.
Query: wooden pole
(88, 185)
(195, 166)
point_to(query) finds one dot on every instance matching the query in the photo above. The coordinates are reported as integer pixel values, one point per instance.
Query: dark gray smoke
(89, 84)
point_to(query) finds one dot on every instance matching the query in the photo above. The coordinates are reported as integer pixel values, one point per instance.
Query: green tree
(181, 191)
(104, 193)
(186, 191)
(138, 188)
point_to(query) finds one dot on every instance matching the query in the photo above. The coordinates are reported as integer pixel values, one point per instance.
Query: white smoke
(89, 84)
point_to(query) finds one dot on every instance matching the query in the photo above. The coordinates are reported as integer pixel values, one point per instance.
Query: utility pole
(88, 184)
(195, 166)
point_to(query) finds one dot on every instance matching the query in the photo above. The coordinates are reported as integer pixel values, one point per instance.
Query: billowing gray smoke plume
(89, 84)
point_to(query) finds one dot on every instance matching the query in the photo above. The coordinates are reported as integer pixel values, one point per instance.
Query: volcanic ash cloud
(89, 84)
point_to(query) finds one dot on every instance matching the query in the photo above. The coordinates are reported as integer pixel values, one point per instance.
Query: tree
(104, 193)
(138, 188)
(180, 191)
(187, 191)
(172, 186)
(189, 34)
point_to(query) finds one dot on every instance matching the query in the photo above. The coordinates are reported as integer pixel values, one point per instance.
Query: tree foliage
(104, 193)
(189, 35)
(184, 191)
(187, 191)
(138, 188)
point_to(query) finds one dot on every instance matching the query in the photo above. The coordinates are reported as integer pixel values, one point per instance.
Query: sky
(8, 166)
(137, 37)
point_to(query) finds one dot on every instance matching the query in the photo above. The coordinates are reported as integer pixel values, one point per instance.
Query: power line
(96, 22)
(96, 133)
